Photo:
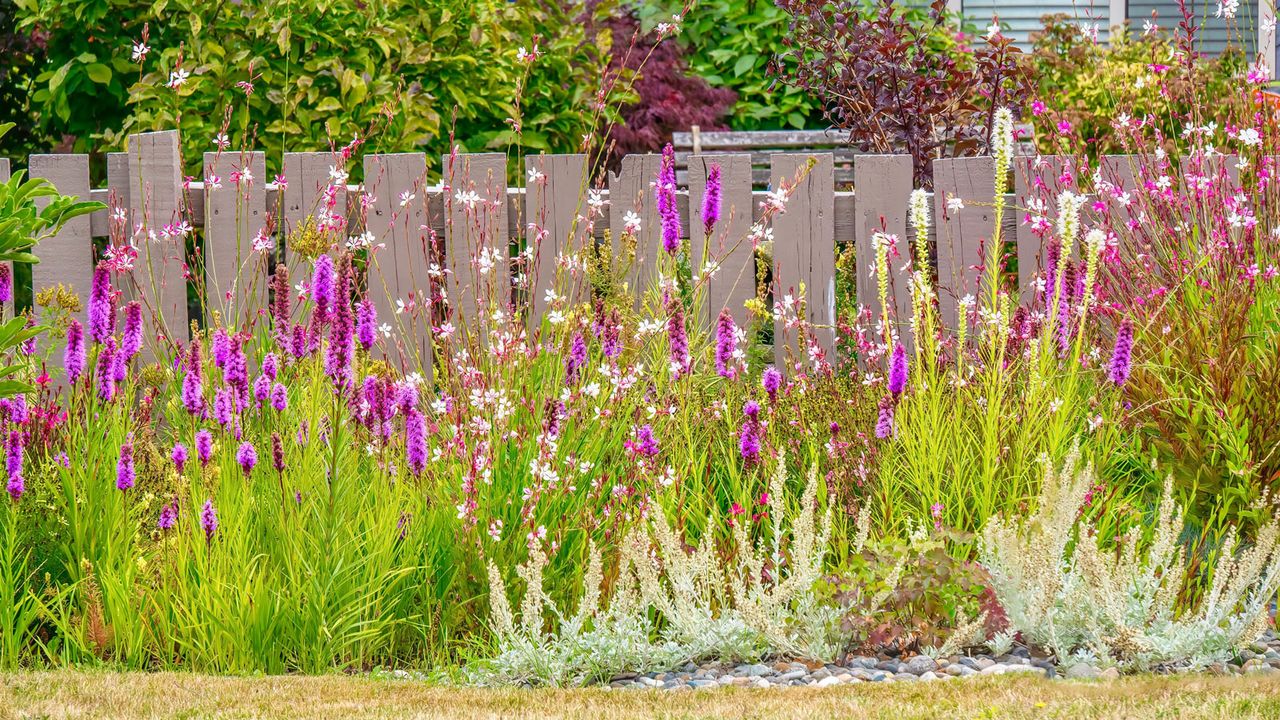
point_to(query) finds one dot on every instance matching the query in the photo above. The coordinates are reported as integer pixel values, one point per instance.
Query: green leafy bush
(308, 75)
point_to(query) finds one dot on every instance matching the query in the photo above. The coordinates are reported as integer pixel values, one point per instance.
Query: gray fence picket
(155, 199)
(552, 206)
(235, 275)
(631, 190)
(961, 233)
(471, 228)
(804, 246)
(882, 186)
(398, 280)
(67, 257)
(306, 179)
(735, 282)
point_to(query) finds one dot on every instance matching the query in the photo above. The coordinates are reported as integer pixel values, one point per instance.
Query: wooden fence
(146, 192)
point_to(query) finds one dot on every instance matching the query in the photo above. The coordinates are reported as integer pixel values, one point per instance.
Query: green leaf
(745, 63)
(98, 73)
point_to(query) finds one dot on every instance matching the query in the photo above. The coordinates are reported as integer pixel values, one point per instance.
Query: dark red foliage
(899, 84)
(668, 99)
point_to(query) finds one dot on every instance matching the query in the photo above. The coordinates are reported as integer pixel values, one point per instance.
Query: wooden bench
(761, 144)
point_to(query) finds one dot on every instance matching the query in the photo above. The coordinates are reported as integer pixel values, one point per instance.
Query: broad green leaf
(98, 73)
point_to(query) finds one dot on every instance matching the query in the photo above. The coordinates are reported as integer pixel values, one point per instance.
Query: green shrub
(403, 72)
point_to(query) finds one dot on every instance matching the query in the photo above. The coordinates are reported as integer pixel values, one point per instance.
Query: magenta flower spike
(131, 342)
(101, 312)
(193, 380)
(209, 520)
(576, 360)
(204, 446)
(415, 441)
(322, 285)
(179, 456)
(898, 370)
(126, 475)
(246, 457)
(366, 323)
(73, 357)
(726, 344)
(1121, 355)
(711, 199)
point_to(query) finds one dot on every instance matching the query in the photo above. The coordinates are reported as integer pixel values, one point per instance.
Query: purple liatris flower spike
(6, 283)
(222, 410)
(209, 520)
(415, 441)
(366, 323)
(119, 367)
(105, 370)
(28, 346)
(179, 456)
(261, 389)
(610, 335)
(101, 313)
(193, 380)
(298, 342)
(280, 310)
(221, 346)
(322, 285)
(126, 475)
(131, 342)
(168, 516)
(751, 409)
(13, 454)
(711, 199)
(236, 372)
(678, 341)
(277, 452)
(204, 446)
(749, 441)
(13, 463)
(726, 344)
(771, 380)
(279, 397)
(73, 357)
(270, 366)
(575, 360)
(337, 361)
(246, 457)
(884, 422)
(898, 370)
(406, 396)
(18, 410)
(1122, 355)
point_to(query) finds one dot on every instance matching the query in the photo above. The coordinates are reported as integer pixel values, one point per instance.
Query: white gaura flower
(178, 77)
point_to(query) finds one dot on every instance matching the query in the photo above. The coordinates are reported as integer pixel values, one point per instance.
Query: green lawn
(75, 694)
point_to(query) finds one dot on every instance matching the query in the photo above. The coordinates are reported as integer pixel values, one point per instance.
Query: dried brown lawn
(82, 694)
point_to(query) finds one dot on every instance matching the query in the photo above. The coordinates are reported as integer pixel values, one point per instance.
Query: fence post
(631, 190)
(399, 259)
(307, 177)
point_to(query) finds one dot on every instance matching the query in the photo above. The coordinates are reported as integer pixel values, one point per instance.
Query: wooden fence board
(155, 200)
(728, 246)
(882, 186)
(552, 206)
(1038, 180)
(961, 233)
(471, 228)
(67, 257)
(401, 258)
(306, 179)
(631, 190)
(235, 275)
(804, 247)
